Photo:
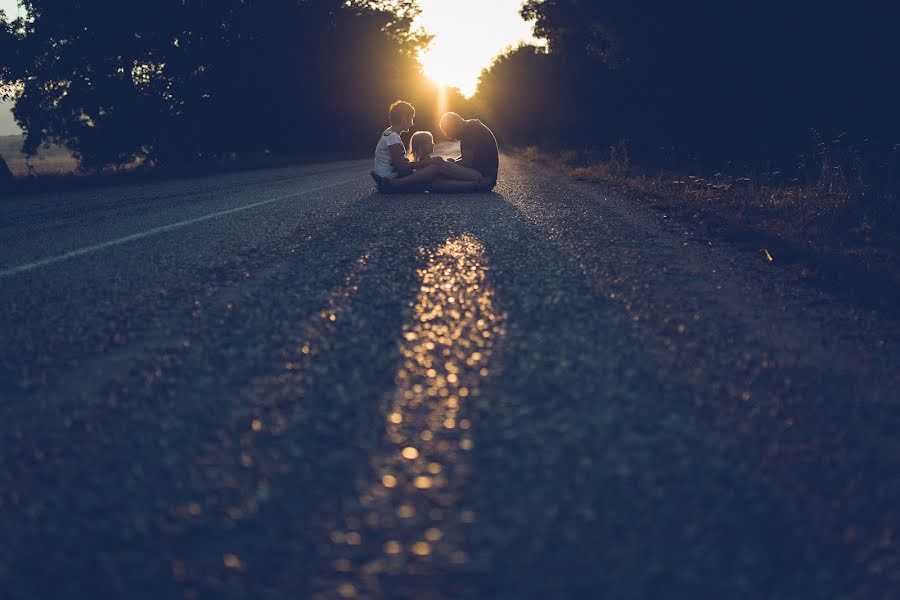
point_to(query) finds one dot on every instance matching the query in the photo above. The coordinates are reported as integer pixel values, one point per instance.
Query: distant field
(52, 160)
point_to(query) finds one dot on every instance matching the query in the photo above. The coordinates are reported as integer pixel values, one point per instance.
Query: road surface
(278, 384)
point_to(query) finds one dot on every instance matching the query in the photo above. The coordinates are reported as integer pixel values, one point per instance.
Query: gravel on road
(281, 384)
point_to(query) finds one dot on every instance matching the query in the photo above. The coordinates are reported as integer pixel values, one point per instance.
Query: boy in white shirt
(393, 171)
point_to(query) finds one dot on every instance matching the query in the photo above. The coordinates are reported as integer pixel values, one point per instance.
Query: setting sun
(468, 34)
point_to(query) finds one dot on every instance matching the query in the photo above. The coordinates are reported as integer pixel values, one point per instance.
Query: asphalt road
(279, 384)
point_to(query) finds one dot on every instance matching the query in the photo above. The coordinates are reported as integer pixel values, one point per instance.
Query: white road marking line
(162, 229)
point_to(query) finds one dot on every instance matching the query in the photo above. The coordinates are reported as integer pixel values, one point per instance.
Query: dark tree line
(178, 80)
(703, 82)
(707, 84)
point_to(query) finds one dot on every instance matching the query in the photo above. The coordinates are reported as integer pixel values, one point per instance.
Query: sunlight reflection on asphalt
(408, 521)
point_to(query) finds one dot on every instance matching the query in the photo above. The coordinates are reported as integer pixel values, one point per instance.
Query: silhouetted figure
(480, 157)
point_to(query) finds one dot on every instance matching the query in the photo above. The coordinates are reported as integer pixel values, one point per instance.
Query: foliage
(704, 85)
(179, 80)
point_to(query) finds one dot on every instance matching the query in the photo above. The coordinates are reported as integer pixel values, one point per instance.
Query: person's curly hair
(400, 109)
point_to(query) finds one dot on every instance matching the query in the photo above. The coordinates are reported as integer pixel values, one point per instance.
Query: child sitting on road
(421, 145)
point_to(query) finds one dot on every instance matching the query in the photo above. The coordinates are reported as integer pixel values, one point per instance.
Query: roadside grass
(49, 161)
(833, 227)
(54, 169)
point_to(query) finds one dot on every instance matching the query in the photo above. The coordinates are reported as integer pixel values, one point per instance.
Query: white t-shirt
(383, 165)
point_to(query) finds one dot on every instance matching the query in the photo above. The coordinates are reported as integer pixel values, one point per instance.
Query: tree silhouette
(180, 80)
(724, 82)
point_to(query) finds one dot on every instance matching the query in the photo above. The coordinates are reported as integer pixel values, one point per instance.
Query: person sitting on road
(393, 170)
(480, 157)
(421, 145)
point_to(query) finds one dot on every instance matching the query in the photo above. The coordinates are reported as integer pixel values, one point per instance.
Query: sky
(7, 125)
(468, 35)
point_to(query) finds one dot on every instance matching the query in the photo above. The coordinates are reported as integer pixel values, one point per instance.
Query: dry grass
(41, 166)
(50, 160)
(834, 229)
(55, 169)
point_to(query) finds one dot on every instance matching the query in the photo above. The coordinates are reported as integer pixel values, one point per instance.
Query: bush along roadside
(827, 222)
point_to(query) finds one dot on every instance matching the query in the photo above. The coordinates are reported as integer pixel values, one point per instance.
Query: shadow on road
(253, 470)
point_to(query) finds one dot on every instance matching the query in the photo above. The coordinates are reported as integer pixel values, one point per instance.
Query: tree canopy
(723, 81)
(177, 80)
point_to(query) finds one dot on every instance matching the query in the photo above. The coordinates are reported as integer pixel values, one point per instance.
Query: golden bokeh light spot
(396, 418)
(433, 534)
(410, 453)
(353, 538)
(232, 561)
(392, 547)
(256, 425)
(423, 482)
(421, 548)
(389, 481)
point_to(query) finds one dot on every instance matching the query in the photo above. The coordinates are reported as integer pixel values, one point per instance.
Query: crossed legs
(456, 178)
(458, 172)
(447, 177)
(417, 178)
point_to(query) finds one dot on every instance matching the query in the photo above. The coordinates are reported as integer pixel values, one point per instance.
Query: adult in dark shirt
(480, 158)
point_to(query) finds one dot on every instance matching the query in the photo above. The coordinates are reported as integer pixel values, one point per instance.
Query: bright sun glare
(468, 34)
